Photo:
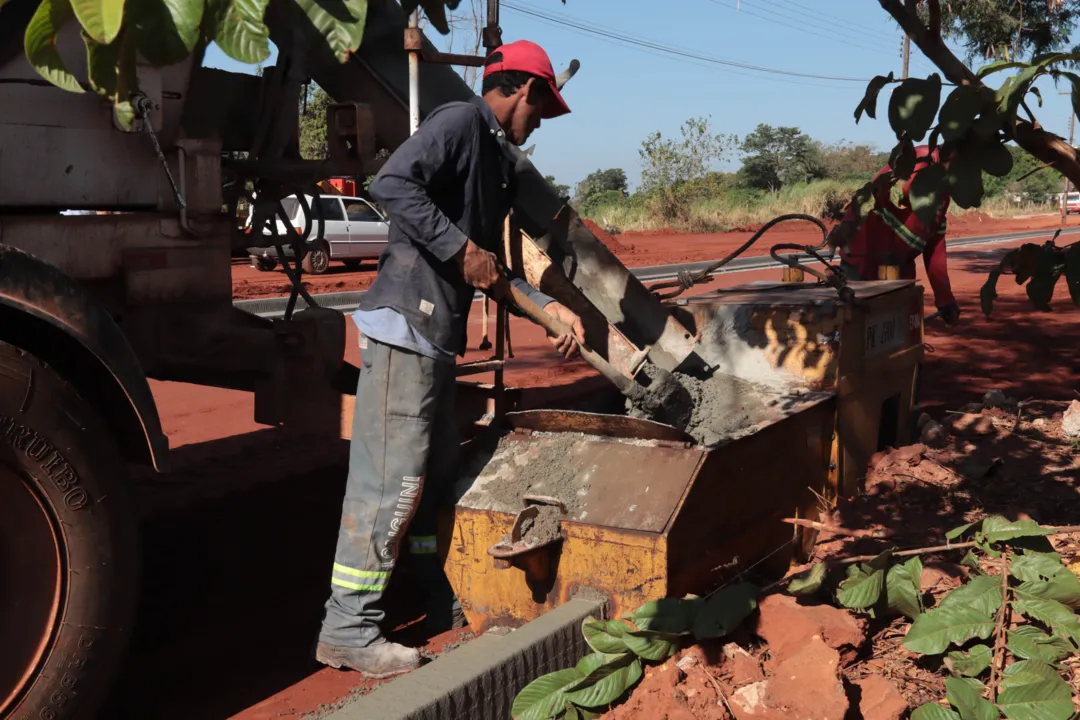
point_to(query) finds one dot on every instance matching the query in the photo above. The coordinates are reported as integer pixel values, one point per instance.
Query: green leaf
(592, 661)
(926, 192)
(652, 645)
(869, 101)
(1050, 613)
(1040, 291)
(933, 631)
(101, 19)
(964, 175)
(1034, 692)
(969, 560)
(987, 125)
(958, 112)
(544, 696)
(1030, 643)
(1044, 576)
(982, 593)
(968, 702)
(237, 27)
(605, 636)
(165, 31)
(606, 682)
(998, 66)
(101, 63)
(808, 582)
(903, 588)
(913, 106)
(1072, 272)
(865, 583)
(725, 610)
(587, 714)
(40, 42)
(1024, 261)
(933, 711)
(969, 664)
(902, 160)
(1027, 672)
(996, 159)
(1012, 92)
(1075, 80)
(999, 529)
(338, 24)
(958, 531)
(667, 615)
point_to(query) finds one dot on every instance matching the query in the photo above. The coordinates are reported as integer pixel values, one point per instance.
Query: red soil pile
(609, 242)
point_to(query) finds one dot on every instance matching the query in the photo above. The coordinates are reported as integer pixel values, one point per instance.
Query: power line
(833, 36)
(836, 18)
(811, 21)
(668, 49)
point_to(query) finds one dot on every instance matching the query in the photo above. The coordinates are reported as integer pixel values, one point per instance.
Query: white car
(353, 230)
(1072, 203)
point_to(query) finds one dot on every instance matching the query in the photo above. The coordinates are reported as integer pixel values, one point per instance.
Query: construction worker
(447, 191)
(893, 235)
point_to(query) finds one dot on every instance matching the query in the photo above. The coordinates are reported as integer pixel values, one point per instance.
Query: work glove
(950, 314)
(841, 235)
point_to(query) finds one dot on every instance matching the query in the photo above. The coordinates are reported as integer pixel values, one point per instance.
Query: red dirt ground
(634, 249)
(239, 538)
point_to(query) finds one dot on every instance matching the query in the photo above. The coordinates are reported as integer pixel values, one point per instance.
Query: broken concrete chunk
(880, 700)
(995, 399)
(974, 408)
(1070, 421)
(788, 626)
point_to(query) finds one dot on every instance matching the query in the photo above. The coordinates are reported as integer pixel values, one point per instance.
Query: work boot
(444, 617)
(381, 659)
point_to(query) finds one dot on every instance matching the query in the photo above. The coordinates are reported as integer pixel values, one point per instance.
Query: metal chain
(143, 105)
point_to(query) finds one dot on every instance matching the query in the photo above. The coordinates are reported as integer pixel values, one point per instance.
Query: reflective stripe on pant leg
(395, 409)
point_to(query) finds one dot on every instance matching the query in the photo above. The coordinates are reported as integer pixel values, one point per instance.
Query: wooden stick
(836, 529)
(998, 661)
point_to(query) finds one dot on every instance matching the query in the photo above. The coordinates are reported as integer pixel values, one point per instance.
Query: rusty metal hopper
(649, 513)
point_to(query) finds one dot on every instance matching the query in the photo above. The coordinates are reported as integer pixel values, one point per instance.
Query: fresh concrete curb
(478, 681)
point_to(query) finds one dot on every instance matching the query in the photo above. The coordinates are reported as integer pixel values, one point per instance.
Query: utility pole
(1065, 192)
(907, 57)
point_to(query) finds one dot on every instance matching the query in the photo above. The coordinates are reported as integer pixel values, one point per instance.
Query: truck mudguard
(50, 315)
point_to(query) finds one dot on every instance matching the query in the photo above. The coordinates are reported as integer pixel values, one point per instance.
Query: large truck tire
(69, 552)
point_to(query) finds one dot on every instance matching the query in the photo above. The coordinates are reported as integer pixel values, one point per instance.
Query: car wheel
(317, 259)
(69, 549)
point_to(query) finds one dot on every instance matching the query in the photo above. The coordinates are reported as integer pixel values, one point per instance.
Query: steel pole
(414, 77)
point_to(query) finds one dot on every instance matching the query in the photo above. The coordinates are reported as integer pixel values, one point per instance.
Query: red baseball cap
(525, 56)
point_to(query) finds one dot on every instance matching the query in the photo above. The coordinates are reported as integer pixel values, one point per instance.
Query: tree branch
(1044, 146)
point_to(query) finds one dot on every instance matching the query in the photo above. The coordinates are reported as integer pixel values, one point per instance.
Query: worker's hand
(479, 267)
(950, 314)
(567, 345)
(842, 235)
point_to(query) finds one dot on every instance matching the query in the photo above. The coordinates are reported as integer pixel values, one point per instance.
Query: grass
(739, 208)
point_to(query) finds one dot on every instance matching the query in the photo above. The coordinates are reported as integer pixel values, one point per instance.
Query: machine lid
(773, 293)
(632, 484)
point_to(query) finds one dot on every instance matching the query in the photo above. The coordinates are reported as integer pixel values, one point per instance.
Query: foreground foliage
(1000, 636)
(652, 633)
(1040, 266)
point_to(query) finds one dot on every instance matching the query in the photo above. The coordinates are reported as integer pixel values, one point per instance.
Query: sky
(624, 91)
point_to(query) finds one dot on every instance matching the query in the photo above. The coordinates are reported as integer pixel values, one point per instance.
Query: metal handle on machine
(556, 327)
